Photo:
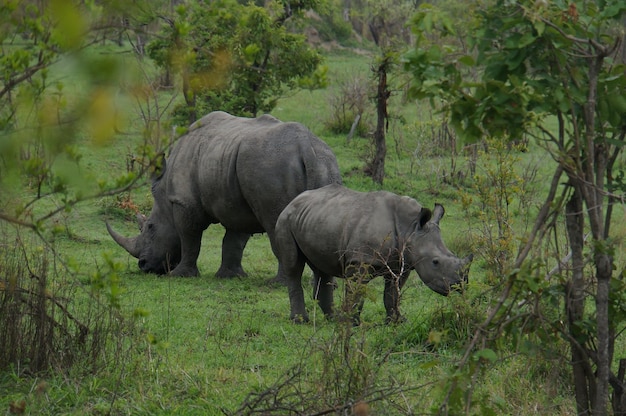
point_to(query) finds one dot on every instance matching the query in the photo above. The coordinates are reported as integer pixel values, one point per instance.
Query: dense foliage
(527, 67)
(43, 114)
(236, 58)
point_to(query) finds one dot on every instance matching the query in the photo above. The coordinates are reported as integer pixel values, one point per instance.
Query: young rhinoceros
(357, 235)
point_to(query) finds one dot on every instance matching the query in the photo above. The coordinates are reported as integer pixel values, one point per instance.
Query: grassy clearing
(204, 345)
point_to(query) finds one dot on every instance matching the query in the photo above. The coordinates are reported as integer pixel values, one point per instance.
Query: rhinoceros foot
(277, 280)
(185, 271)
(227, 272)
(395, 319)
(300, 319)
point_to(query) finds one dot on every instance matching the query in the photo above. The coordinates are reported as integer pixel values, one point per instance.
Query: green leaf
(486, 354)
(430, 364)
(513, 41)
(251, 51)
(467, 60)
(435, 337)
(526, 40)
(540, 26)
(617, 103)
(70, 25)
(615, 10)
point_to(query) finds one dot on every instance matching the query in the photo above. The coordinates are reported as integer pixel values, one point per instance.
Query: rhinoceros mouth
(160, 269)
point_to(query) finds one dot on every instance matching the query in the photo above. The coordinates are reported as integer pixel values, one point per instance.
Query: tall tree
(534, 64)
(386, 21)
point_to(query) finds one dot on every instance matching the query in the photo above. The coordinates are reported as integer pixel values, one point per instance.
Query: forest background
(508, 113)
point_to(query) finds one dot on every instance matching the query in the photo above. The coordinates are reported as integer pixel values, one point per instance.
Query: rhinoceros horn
(128, 244)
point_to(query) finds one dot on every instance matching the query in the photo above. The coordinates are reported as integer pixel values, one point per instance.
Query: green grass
(202, 345)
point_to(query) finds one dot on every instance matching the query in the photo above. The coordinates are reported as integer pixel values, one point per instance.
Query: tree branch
(29, 72)
(541, 217)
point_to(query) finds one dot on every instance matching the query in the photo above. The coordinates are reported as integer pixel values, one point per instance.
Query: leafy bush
(498, 187)
(233, 57)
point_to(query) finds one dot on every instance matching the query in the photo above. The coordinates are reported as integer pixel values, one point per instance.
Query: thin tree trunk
(619, 390)
(594, 173)
(603, 274)
(584, 382)
(377, 166)
(190, 98)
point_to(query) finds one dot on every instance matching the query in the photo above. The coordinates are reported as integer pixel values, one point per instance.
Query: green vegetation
(234, 57)
(201, 346)
(529, 65)
(116, 341)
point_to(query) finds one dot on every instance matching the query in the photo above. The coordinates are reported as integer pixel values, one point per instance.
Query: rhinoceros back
(241, 172)
(287, 160)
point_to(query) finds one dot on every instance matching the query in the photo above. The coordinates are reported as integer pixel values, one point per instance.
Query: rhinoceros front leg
(190, 234)
(393, 285)
(353, 300)
(233, 244)
(357, 276)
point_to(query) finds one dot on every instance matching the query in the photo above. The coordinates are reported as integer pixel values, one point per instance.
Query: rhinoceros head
(157, 246)
(437, 266)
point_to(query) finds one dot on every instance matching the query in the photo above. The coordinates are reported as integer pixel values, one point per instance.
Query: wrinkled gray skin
(344, 233)
(238, 172)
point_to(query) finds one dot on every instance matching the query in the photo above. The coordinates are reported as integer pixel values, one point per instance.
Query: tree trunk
(605, 340)
(377, 166)
(593, 174)
(619, 390)
(190, 97)
(584, 382)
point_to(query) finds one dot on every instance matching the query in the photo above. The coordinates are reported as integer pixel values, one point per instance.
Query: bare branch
(541, 217)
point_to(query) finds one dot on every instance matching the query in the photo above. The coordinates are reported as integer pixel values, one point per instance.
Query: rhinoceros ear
(438, 213)
(158, 168)
(424, 217)
(141, 221)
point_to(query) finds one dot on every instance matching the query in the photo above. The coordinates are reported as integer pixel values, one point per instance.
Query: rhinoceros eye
(435, 262)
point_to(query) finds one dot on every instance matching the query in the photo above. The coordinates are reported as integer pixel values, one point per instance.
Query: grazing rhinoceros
(238, 172)
(344, 233)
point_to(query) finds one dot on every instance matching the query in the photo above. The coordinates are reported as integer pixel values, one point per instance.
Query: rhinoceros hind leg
(323, 290)
(280, 279)
(233, 244)
(293, 268)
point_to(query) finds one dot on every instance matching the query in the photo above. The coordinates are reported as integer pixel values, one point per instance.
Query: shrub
(349, 102)
(44, 325)
(498, 186)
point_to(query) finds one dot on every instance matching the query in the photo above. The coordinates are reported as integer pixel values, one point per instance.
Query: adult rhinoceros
(344, 233)
(239, 172)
